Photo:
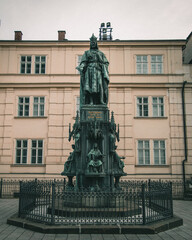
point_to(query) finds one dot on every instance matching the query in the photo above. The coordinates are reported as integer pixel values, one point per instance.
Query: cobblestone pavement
(8, 207)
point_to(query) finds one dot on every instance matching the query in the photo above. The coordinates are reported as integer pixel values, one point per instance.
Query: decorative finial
(93, 38)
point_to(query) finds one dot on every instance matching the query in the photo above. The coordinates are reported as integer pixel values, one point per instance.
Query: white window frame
(158, 106)
(141, 64)
(23, 106)
(159, 152)
(78, 103)
(156, 64)
(25, 64)
(37, 150)
(142, 107)
(39, 106)
(40, 64)
(79, 57)
(22, 150)
(143, 152)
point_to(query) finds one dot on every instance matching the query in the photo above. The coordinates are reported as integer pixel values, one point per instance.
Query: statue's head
(93, 42)
(95, 146)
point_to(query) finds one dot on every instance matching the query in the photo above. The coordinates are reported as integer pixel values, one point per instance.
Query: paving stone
(108, 237)
(120, 237)
(131, 236)
(96, 237)
(26, 235)
(61, 236)
(37, 236)
(73, 237)
(10, 206)
(85, 237)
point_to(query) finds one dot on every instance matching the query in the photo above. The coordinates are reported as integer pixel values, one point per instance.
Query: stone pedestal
(95, 158)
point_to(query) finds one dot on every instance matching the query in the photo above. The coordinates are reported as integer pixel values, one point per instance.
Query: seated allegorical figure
(95, 164)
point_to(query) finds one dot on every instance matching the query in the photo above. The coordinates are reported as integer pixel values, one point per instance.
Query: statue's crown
(93, 38)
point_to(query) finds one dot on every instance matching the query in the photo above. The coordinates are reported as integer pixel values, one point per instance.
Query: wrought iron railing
(51, 203)
(9, 188)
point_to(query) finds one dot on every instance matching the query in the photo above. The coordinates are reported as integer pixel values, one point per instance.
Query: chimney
(61, 35)
(18, 36)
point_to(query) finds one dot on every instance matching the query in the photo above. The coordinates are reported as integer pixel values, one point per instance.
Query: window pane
(34, 143)
(140, 153)
(42, 99)
(36, 99)
(156, 156)
(40, 143)
(146, 144)
(37, 59)
(42, 67)
(27, 100)
(43, 58)
(28, 68)
(28, 58)
(155, 111)
(18, 143)
(162, 144)
(147, 157)
(162, 156)
(145, 100)
(41, 110)
(26, 110)
(35, 110)
(146, 110)
(25, 143)
(22, 67)
(37, 66)
(23, 58)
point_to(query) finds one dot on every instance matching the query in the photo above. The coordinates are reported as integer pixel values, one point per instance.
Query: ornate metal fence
(50, 203)
(9, 188)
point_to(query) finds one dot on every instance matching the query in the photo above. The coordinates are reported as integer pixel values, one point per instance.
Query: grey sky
(130, 19)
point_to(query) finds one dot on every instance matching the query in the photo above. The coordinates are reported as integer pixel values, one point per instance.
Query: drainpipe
(184, 134)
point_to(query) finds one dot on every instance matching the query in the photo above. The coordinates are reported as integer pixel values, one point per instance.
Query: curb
(154, 228)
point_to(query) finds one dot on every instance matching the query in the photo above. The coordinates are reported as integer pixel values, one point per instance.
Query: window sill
(150, 117)
(153, 166)
(31, 117)
(28, 165)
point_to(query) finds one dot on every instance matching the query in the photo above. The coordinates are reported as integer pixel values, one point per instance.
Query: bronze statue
(69, 166)
(94, 76)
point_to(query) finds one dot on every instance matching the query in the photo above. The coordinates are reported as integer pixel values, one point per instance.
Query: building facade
(149, 93)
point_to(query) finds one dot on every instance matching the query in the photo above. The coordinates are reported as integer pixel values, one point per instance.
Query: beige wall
(60, 87)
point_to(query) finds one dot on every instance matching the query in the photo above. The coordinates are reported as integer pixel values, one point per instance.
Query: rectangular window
(79, 57)
(158, 106)
(40, 63)
(23, 107)
(38, 106)
(143, 152)
(25, 64)
(159, 152)
(156, 64)
(141, 64)
(36, 151)
(78, 104)
(142, 107)
(21, 152)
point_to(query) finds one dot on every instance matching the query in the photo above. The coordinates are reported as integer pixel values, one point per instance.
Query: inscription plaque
(95, 114)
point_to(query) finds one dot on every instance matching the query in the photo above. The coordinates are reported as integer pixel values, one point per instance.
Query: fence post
(149, 186)
(53, 204)
(1, 187)
(143, 203)
(171, 199)
(20, 197)
(64, 184)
